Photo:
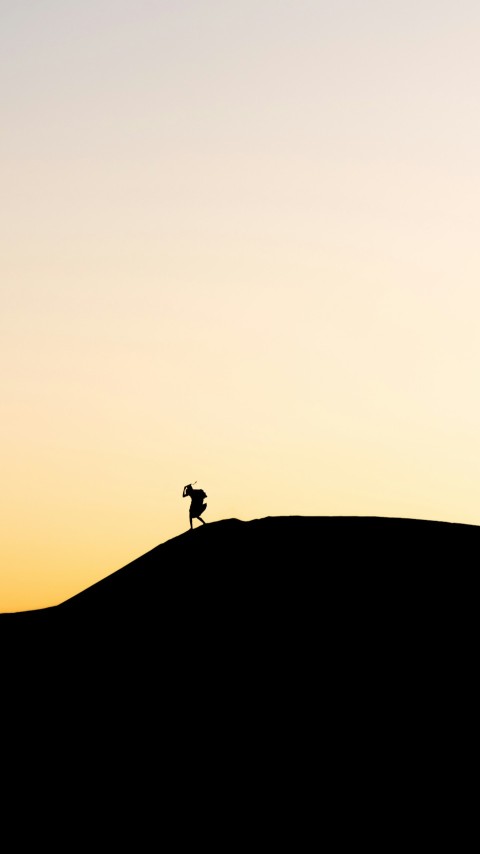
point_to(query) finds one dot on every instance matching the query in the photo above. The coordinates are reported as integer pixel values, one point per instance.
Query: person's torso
(197, 497)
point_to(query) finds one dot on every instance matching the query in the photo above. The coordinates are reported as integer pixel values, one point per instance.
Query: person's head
(188, 489)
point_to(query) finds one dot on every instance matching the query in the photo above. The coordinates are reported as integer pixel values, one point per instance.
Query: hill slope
(281, 637)
(235, 571)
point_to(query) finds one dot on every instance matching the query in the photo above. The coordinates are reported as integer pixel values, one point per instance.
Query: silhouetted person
(196, 504)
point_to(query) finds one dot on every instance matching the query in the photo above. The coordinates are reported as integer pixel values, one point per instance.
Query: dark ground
(229, 588)
(300, 672)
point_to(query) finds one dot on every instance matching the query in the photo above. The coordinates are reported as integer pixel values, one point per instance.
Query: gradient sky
(239, 244)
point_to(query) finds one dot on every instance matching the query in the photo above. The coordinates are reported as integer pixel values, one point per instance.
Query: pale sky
(238, 245)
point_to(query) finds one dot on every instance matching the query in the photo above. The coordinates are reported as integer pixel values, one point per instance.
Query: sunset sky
(239, 244)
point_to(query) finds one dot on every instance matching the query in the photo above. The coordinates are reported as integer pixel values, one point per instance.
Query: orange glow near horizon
(239, 246)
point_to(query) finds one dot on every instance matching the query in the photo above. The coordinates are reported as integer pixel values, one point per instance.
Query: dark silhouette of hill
(261, 576)
(245, 660)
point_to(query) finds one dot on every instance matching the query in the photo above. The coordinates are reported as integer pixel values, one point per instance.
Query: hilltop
(322, 636)
(261, 573)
